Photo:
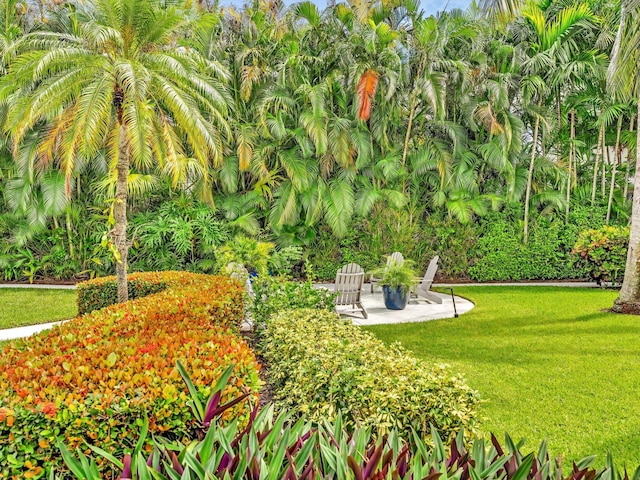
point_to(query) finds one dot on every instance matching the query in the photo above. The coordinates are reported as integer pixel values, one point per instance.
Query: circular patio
(416, 311)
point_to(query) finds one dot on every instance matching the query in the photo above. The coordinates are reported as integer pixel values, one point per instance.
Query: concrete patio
(415, 311)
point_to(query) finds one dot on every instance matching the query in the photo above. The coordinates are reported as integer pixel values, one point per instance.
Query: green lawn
(21, 306)
(548, 362)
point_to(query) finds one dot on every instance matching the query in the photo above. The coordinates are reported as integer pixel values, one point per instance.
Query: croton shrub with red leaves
(603, 253)
(95, 378)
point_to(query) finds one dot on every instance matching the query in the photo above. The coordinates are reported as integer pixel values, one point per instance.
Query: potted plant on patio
(396, 279)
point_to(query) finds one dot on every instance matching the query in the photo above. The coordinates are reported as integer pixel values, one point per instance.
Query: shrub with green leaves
(273, 295)
(320, 364)
(102, 292)
(179, 234)
(283, 260)
(501, 255)
(250, 252)
(603, 253)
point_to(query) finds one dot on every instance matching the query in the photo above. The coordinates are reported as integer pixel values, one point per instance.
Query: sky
(434, 6)
(429, 6)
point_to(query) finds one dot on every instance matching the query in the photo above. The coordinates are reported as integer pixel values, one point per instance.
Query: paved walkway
(21, 332)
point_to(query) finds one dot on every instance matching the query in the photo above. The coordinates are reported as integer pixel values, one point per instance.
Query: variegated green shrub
(321, 364)
(273, 295)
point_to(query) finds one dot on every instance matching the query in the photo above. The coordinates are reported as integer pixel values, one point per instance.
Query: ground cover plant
(320, 364)
(548, 362)
(22, 306)
(96, 377)
(277, 447)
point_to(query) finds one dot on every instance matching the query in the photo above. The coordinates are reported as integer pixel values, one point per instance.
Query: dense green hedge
(186, 237)
(320, 364)
(490, 249)
(501, 255)
(102, 292)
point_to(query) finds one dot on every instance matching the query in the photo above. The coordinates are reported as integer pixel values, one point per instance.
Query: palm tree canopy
(112, 63)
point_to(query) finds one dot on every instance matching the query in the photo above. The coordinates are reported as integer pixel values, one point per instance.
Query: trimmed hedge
(95, 378)
(274, 295)
(321, 364)
(102, 292)
(502, 256)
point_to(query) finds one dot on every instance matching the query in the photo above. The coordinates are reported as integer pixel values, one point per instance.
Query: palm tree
(558, 58)
(430, 37)
(624, 80)
(533, 87)
(501, 8)
(115, 80)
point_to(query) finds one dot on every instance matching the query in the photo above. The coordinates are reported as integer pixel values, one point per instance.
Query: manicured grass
(549, 363)
(21, 306)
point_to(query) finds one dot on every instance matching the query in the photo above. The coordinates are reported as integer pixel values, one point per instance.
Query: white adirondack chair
(422, 291)
(395, 257)
(349, 280)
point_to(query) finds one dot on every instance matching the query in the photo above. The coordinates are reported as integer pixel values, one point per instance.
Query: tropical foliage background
(490, 136)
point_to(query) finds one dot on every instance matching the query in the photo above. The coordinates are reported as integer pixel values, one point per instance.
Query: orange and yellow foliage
(94, 378)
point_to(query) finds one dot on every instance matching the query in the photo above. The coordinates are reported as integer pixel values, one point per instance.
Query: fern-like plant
(397, 275)
(251, 253)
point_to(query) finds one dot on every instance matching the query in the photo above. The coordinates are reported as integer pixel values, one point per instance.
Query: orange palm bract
(366, 91)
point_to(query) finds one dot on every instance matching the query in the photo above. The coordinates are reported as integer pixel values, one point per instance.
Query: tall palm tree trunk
(605, 160)
(530, 180)
(120, 213)
(69, 229)
(594, 187)
(616, 160)
(414, 105)
(571, 161)
(405, 149)
(615, 50)
(628, 166)
(630, 291)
